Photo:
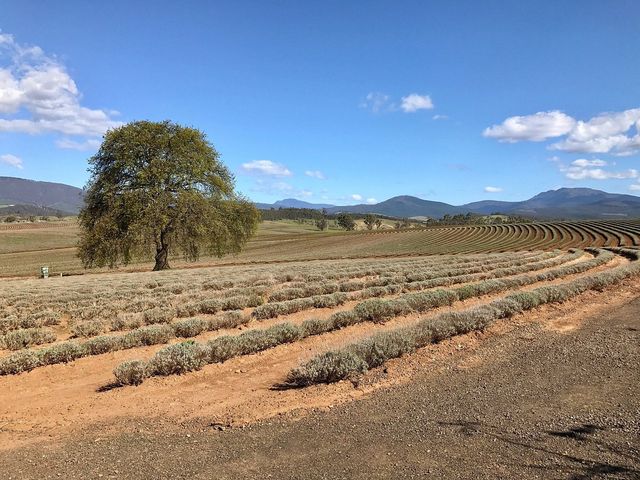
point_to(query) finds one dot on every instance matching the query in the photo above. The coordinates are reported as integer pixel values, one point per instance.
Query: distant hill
(564, 203)
(293, 203)
(50, 197)
(403, 206)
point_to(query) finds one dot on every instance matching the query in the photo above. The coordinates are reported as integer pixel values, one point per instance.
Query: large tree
(156, 189)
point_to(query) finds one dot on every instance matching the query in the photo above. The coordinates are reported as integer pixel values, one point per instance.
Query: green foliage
(370, 221)
(322, 223)
(344, 220)
(158, 188)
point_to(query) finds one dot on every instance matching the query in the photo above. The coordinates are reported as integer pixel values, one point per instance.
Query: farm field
(196, 352)
(24, 247)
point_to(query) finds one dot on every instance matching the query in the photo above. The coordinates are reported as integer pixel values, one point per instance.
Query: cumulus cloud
(37, 95)
(635, 187)
(12, 160)
(536, 128)
(356, 196)
(492, 189)
(414, 102)
(371, 200)
(583, 169)
(605, 133)
(266, 168)
(616, 133)
(315, 174)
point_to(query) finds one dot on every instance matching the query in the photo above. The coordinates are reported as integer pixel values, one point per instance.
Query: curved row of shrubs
(357, 358)
(26, 337)
(409, 276)
(64, 352)
(274, 309)
(190, 356)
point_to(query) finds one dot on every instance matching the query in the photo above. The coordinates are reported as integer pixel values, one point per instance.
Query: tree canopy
(346, 221)
(158, 189)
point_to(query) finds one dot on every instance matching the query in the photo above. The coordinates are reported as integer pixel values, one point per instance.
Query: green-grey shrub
(208, 307)
(90, 328)
(377, 349)
(221, 349)
(329, 367)
(158, 315)
(23, 338)
(102, 344)
(149, 335)
(177, 359)
(62, 353)
(343, 319)
(190, 327)
(132, 372)
(188, 309)
(19, 362)
(315, 326)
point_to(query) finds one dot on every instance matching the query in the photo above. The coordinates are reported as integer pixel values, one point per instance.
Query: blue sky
(335, 101)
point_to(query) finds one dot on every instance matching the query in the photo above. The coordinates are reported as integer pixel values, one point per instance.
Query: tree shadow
(578, 468)
(283, 386)
(108, 387)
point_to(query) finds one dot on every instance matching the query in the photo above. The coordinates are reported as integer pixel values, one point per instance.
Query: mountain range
(17, 194)
(564, 203)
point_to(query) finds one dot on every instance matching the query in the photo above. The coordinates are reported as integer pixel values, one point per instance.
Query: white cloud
(635, 187)
(69, 144)
(440, 117)
(278, 188)
(579, 173)
(371, 201)
(536, 128)
(583, 162)
(375, 101)
(616, 133)
(315, 174)
(356, 196)
(414, 102)
(11, 160)
(583, 169)
(266, 168)
(492, 189)
(37, 95)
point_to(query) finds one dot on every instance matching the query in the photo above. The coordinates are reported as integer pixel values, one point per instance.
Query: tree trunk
(162, 259)
(162, 254)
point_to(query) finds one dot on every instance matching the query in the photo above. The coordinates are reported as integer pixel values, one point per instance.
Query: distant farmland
(25, 247)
